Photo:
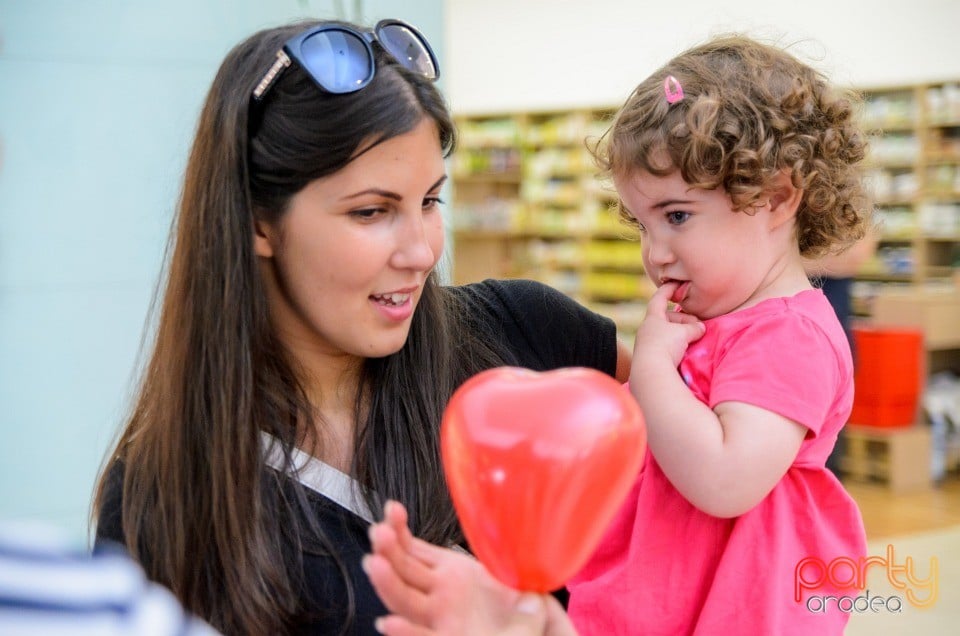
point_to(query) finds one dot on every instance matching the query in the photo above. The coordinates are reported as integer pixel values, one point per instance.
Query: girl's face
(722, 259)
(345, 266)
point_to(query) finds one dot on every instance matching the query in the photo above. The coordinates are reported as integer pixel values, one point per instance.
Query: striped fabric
(48, 589)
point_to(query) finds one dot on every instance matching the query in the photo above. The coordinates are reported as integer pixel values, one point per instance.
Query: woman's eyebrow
(388, 193)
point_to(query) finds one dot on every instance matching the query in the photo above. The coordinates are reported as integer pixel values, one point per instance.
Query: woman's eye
(677, 218)
(432, 202)
(367, 213)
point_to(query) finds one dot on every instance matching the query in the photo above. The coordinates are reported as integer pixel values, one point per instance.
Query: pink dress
(665, 567)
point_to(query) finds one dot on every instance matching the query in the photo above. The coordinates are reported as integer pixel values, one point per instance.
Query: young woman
(304, 349)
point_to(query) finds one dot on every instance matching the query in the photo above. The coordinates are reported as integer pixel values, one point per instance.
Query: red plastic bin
(888, 376)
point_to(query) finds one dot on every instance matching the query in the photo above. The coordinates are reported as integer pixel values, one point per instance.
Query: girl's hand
(433, 591)
(663, 333)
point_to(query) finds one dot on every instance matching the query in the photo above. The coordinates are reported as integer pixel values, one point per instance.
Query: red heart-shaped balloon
(537, 465)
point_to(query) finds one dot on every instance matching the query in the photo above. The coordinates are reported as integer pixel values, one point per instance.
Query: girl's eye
(677, 217)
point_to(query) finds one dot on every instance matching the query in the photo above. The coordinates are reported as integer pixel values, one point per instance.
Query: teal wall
(98, 103)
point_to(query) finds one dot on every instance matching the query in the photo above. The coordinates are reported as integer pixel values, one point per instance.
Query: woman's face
(346, 264)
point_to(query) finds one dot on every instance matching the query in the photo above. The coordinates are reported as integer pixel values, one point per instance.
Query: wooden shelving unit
(527, 204)
(914, 172)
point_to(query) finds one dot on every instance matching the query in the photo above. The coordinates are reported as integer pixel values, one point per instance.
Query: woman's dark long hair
(200, 511)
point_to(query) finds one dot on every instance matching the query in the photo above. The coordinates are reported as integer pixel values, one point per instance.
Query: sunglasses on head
(340, 58)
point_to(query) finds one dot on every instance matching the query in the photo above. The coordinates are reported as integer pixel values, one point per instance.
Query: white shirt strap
(318, 476)
(321, 477)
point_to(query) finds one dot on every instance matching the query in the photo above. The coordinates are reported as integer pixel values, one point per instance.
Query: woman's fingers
(395, 515)
(434, 591)
(406, 563)
(558, 623)
(398, 595)
(399, 626)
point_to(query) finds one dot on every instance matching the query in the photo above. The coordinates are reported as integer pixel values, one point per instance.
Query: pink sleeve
(785, 364)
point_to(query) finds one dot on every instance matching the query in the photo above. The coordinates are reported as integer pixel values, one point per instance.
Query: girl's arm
(433, 591)
(723, 461)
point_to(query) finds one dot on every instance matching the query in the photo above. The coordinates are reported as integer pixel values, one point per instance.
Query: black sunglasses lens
(409, 49)
(338, 60)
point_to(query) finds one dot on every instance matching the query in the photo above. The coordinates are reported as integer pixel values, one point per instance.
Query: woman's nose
(416, 245)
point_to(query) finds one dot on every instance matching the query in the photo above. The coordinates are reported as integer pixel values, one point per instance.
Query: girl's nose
(658, 252)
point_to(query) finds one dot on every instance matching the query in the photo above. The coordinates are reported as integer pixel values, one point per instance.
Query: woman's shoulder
(513, 293)
(542, 327)
(110, 510)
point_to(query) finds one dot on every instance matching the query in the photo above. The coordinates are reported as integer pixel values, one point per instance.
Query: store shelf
(914, 173)
(554, 223)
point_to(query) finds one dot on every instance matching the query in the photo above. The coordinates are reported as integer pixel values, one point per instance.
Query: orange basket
(888, 376)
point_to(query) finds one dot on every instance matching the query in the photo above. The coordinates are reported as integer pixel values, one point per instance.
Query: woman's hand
(433, 591)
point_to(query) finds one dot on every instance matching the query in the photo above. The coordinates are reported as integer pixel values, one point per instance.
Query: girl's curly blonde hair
(749, 111)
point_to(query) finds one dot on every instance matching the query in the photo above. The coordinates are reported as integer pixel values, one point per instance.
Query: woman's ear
(784, 199)
(263, 239)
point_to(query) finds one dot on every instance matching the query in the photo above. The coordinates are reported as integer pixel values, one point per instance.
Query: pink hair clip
(672, 89)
